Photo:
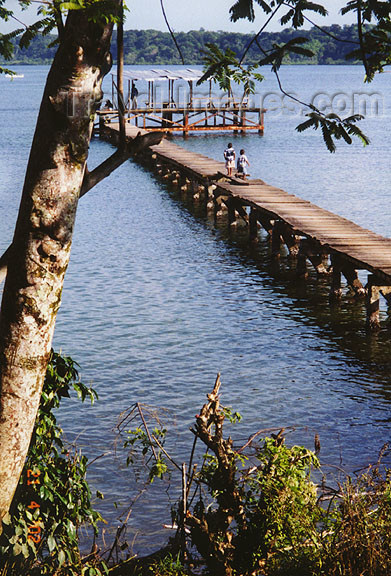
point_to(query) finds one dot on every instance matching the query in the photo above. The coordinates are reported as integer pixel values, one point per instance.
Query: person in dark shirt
(133, 95)
(242, 165)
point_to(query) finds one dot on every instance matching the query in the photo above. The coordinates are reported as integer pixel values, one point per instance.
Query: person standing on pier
(242, 165)
(133, 95)
(229, 155)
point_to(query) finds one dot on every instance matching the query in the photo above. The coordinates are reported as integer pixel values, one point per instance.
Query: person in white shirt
(229, 155)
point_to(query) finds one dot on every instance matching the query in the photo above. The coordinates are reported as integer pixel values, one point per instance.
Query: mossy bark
(43, 234)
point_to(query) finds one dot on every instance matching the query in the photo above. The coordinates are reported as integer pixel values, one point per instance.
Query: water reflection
(343, 323)
(157, 300)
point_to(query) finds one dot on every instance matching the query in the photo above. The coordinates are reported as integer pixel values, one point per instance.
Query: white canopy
(188, 74)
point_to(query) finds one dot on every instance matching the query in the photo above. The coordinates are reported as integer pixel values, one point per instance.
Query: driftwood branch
(91, 179)
(211, 529)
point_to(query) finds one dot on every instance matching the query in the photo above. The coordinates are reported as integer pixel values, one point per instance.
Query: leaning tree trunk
(43, 235)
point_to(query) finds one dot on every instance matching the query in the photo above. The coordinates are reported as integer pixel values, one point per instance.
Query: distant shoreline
(155, 48)
(48, 63)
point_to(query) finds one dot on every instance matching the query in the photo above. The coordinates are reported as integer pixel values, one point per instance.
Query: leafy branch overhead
(51, 17)
(275, 57)
(295, 10)
(225, 67)
(245, 9)
(375, 49)
(332, 126)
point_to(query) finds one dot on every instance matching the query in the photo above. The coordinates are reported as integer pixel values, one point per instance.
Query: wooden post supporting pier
(375, 287)
(253, 225)
(353, 280)
(335, 290)
(311, 233)
(316, 254)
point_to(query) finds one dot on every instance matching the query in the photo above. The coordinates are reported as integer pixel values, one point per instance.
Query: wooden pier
(161, 107)
(333, 245)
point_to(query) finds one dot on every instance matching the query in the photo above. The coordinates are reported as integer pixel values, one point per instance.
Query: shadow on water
(343, 324)
(286, 357)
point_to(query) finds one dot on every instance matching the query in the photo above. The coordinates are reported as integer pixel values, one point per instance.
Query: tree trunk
(43, 234)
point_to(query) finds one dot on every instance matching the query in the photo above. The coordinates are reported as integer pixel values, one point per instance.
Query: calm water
(157, 299)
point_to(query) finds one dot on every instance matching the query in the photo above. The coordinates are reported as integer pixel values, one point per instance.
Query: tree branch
(101, 172)
(361, 38)
(171, 32)
(280, 84)
(59, 22)
(17, 20)
(255, 38)
(135, 146)
(326, 33)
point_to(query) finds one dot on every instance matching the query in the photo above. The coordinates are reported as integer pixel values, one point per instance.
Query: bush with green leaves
(169, 565)
(282, 515)
(256, 509)
(53, 498)
(273, 525)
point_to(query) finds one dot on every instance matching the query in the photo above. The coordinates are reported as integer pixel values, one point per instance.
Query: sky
(185, 15)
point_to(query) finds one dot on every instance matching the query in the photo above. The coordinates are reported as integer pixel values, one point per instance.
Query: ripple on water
(157, 300)
(159, 303)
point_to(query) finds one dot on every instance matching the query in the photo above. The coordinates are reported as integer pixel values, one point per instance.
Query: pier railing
(174, 106)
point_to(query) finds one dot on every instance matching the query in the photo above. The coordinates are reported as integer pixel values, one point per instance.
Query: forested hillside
(155, 47)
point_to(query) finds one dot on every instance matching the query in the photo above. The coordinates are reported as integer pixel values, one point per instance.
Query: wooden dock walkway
(334, 245)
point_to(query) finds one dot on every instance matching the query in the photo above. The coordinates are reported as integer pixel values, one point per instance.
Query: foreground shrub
(53, 499)
(256, 510)
(357, 541)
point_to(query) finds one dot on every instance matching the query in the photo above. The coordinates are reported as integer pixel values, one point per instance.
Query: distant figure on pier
(242, 165)
(133, 95)
(229, 155)
(108, 105)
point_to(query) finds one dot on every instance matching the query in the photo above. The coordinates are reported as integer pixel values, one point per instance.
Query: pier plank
(364, 248)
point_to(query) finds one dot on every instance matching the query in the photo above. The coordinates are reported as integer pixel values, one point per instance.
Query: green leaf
(17, 549)
(296, 12)
(327, 137)
(61, 557)
(25, 550)
(332, 126)
(242, 9)
(7, 519)
(51, 542)
(71, 6)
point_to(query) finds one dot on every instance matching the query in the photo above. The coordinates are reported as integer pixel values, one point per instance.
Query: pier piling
(334, 246)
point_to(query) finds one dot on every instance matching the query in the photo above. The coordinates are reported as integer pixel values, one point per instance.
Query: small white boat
(12, 76)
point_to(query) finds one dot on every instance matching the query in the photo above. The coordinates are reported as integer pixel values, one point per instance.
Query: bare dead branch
(147, 430)
(160, 445)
